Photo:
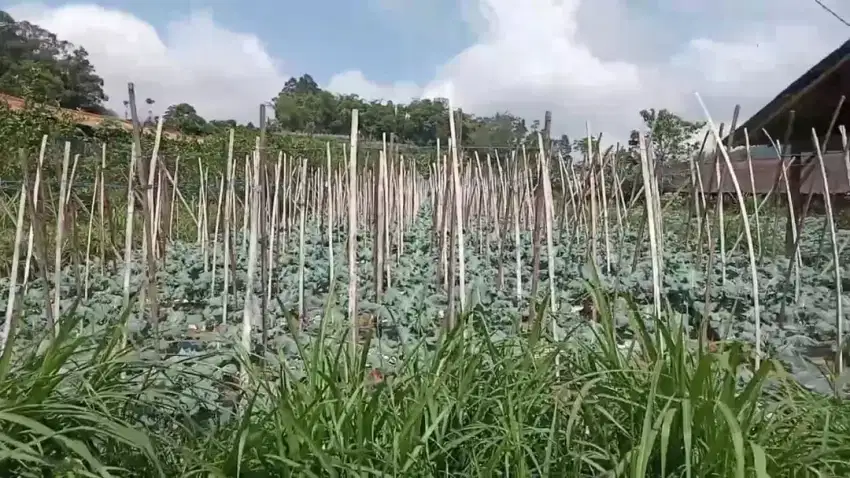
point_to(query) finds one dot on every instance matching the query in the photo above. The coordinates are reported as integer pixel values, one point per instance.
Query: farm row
(192, 299)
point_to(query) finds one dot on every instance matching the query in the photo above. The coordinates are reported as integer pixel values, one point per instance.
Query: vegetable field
(512, 313)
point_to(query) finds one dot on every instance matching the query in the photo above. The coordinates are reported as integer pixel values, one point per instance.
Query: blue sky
(394, 40)
(593, 63)
(323, 37)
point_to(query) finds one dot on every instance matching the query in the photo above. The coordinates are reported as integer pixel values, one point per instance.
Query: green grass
(81, 405)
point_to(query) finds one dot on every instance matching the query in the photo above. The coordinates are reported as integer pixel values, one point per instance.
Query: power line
(833, 13)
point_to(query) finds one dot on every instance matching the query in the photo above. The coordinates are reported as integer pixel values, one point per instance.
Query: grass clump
(82, 405)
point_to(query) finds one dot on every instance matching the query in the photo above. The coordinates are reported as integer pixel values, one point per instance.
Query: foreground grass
(473, 407)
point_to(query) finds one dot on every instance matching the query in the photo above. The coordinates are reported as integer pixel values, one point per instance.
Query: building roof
(813, 97)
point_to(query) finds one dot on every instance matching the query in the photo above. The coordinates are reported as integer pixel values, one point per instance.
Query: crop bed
(414, 303)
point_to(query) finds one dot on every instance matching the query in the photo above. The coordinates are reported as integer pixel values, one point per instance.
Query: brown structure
(765, 173)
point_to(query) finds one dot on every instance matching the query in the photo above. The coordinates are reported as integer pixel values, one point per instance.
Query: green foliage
(70, 404)
(411, 306)
(670, 137)
(628, 394)
(23, 131)
(25, 128)
(474, 404)
(502, 129)
(303, 106)
(185, 119)
(581, 146)
(36, 65)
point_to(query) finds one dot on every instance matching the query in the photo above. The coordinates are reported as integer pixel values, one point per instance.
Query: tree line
(37, 65)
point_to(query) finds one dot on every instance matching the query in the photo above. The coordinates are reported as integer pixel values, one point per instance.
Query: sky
(594, 64)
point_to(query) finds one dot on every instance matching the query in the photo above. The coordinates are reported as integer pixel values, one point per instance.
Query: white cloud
(597, 61)
(354, 82)
(224, 74)
(538, 56)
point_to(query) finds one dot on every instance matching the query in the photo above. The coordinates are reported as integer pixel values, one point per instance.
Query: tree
(33, 81)
(63, 74)
(580, 146)
(83, 89)
(303, 106)
(500, 130)
(301, 86)
(223, 124)
(672, 138)
(562, 145)
(183, 118)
